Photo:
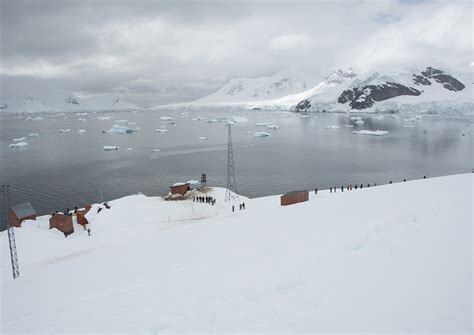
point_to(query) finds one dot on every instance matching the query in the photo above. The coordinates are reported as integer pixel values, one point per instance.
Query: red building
(17, 214)
(294, 197)
(62, 222)
(179, 188)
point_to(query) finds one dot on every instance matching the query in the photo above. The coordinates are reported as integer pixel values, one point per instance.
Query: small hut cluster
(294, 197)
(181, 191)
(64, 222)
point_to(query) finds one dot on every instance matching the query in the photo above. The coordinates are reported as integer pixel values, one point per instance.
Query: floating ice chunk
(19, 139)
(199, 118)
(19, 145)
(202, 138)
(273, 126)
(248, 132)
(395, 117)
(166, 118)
(262, 124)
(355, 118)
(212, 121)
(359, 122)
(81, 113)
(349, 126)
(156, 150)
(129, 149)
(261, 134)
(371, 132)
(61, 114)
(64, 130)
(378, 117)
(38, 118)
(304, 115)
(117, 129)
(81, 119)
(131, 123)
(239, 119)
(110, 147)
(121, 121)
(33, 135)
(81, 131)
(332, 127)
(102, 118)
(408, 126)
(160, 130)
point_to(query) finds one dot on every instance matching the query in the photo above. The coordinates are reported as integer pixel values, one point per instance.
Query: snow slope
(386, 259)
(31, 96)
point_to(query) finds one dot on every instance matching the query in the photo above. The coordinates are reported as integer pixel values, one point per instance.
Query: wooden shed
(294, 197)
(17, 214)
(62, 222)
(179, 188)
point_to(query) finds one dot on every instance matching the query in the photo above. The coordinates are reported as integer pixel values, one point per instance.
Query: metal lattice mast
(231, 191)
(11, 232)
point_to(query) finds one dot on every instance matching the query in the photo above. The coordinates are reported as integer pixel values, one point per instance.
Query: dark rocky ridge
(366, 96)
(448, 81)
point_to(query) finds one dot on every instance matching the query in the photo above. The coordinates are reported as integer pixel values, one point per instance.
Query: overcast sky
(157, 52)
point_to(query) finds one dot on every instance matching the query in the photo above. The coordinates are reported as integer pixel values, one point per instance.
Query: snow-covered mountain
(413, 90)
(428, 90)
(24, 96)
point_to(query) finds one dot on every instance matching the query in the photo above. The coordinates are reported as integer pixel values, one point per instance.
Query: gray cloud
(153, 52)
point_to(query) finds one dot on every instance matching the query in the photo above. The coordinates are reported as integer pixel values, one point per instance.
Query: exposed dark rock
(366, 96)
(303, 106)
(72, 100)
(421, 80)
(448, 81)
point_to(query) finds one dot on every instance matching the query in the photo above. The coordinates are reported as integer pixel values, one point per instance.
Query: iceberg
(239, 119)
(359, 122)
(332, 127)
(81, 119)
(33, 135)
(273, 126)
(81, 131)
(102, 118)
(129, 149)
(64, 130)
(156, 150)
(121, 121)
(371, 132)
(161, 130)
(408, 126)
(116, 129)
(19, 139)
(19, 145)
(202, 138)
(166, 118)
(212, 121)
(110, 147)
(261, 134)
(262, 124)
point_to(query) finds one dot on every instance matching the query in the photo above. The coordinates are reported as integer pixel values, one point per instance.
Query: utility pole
(11, 232)
(231, 191)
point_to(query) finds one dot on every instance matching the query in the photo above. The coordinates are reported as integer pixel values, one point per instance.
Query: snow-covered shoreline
(397, 258)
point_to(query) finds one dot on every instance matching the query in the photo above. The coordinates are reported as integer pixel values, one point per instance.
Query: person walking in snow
(361, 186)
(89, 231)
(342, 188)
(355, 187)
(315, 191)
(390, 182)
(240, 207)
(233, 209)
(330, 189)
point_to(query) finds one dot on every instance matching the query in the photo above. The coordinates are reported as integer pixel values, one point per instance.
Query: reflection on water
(61, 170)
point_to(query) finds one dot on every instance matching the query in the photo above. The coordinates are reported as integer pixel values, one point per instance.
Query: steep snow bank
(398, 258)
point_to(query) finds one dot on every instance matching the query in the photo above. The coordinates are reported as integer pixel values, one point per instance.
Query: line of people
(350, 187)
(205, 199)
(241, 207)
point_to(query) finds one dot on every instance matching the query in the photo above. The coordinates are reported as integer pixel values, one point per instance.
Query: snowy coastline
(397, 258)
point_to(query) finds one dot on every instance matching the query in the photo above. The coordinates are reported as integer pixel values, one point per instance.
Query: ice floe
(167, 118)
(332, 127)
(359, 122)
(64, 130)
(81, 131)
(19, 139)
(202, 138)
(19, 145)
(102, 118)
(370, 132)
(161, 130)
(110, 147)
(33, 135)
(117, 129)
(273, 126)
(239, 119)
(262, 124)
(260, 134)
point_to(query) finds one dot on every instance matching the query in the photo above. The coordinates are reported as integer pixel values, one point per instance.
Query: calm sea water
(59, 170)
